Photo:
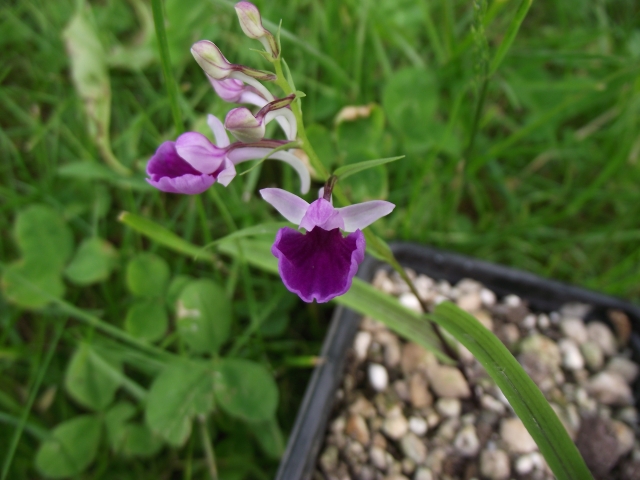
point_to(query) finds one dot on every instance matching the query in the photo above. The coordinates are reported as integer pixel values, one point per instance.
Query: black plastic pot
(541, 294)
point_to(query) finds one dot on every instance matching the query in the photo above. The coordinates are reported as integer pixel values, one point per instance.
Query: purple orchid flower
(321, 263)
(192, 163)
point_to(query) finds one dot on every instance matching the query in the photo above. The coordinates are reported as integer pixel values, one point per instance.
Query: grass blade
(165, 59)
(348, 170)
(510, 36)
(524, 396)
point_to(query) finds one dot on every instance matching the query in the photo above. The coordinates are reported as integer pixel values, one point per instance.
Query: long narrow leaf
(523, 395)
(165, 59)
(348, 170)
(510, 36)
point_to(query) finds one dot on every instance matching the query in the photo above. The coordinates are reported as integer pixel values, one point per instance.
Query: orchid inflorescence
(317, 265)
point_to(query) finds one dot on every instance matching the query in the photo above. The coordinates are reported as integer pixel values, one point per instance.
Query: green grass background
(550, 184)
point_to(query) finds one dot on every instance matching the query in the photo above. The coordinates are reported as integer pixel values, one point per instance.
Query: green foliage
(147, 320)
(204, 316)
(129, 438)
(147, 275)
(245, 389)
(71, 448)
(89, 380)
(181, 391)
(24, 281)
(410, 100)
(92, 263)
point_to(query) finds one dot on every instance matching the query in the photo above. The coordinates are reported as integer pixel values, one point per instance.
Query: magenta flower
(321, 263)
(192, 163)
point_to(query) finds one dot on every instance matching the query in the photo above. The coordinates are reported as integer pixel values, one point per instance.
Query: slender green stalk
(510, 36)
(169, 80)
(476, 117)
(32, 397)
(305, 144)
(208, 449)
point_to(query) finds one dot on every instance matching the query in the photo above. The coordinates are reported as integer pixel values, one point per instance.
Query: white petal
(220, 134)
(254, 83)
(253, 153)
(290, 206)
(362, 215)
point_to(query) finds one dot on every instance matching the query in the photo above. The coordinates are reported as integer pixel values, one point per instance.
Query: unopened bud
(244, 126)
(251, 24)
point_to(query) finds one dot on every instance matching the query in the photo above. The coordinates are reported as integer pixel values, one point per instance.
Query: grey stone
(414, 448)
(494, 464)
(601, 334)
(516, 437)
(448, 381)
(610, 388)
(419, 391)
(545, 348)
(624, 435)
(329, 458)
(593, 355)
(624, 367)
(575, 329)
(416, 358)
(357, 429)
(449, 407)
(466, 442)
(423, 473)
(395, 426)
(378, 457)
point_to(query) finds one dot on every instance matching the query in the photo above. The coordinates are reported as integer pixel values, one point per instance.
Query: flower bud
(251, 24)
(244, 126)
(214, 64)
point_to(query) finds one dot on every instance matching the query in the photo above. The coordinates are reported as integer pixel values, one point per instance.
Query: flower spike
(251, 24)
(321, 264)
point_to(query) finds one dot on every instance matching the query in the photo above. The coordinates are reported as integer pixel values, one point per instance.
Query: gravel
(401, 414)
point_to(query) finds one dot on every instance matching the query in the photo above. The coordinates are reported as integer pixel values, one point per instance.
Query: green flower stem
(296, 108)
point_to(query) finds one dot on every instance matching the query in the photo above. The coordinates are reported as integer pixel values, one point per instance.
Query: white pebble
(512, 300)
(449, 407)
(488, 297)
(572, 359)
(525, 465)
(574, 329)
(361, 344)
(529, 322)
(410, 301)
(543, 321)
(418, 426)
(378, 377)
